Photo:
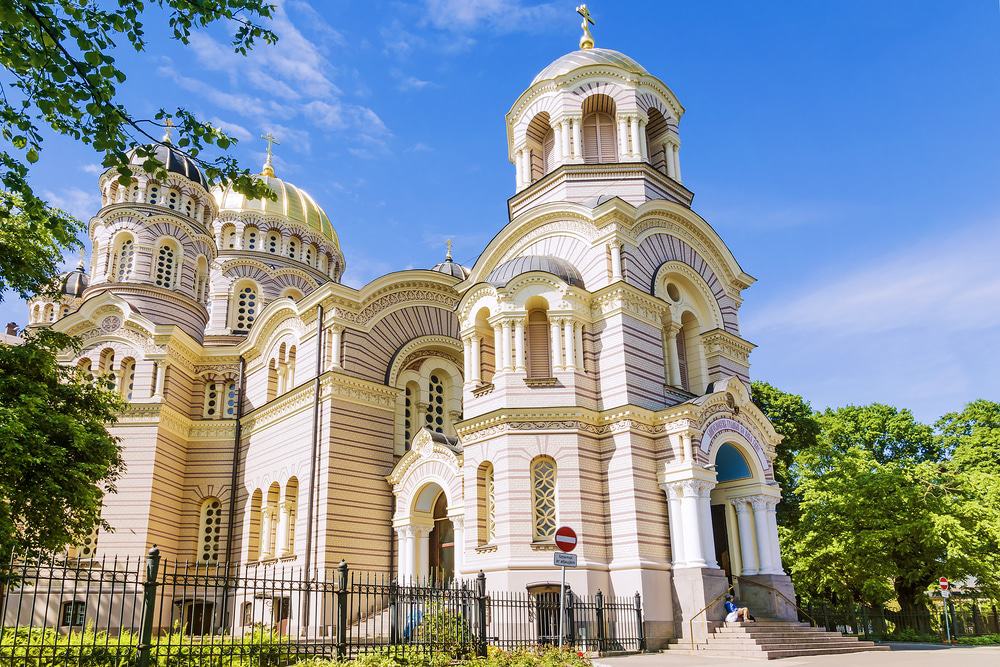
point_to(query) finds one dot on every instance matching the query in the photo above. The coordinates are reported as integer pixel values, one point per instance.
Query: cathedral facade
(588, 370)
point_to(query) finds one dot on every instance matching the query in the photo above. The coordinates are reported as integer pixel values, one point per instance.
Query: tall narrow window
(250, 238)
(436, 410)
(173, 199)
(154, 194)
(310, 253)
(229, 237)
(682, 360)
(273, 242)
(256, 516)
(543, 497)
(127, 378)
(599, 132)
(293, 247)
(211, 531)
(201, 280)
(548, 152)
(487, 504)
(231, 397)
(538, 345)
(245, 308)
(409, 409)
(211, 407)
(125, 260)
(166, 269)
(156, 378)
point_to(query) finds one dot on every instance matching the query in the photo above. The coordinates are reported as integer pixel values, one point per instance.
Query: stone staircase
(769, 639)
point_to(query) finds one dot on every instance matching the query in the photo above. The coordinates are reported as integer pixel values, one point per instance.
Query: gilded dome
(292, 203)
(585, 57)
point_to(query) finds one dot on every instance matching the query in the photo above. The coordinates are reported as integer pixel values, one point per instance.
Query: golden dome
(583, 58)
(292, 203)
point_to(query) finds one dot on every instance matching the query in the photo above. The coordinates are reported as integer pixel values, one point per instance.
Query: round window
(673, 292)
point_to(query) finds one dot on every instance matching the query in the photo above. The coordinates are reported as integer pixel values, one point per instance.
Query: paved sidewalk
(901, 655)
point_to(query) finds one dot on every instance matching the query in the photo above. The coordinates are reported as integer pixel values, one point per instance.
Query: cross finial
(268, 169)
(447, 257)
(586, 40)
(168, 128)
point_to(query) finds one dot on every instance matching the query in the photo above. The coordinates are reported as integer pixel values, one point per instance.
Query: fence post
(599, 613)
(342, 609)
(571, 616)
(393, 611)
(639, 624)
(148, 605)
(481, 614)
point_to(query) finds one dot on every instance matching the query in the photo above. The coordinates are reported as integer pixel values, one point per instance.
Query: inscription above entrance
(726, 424)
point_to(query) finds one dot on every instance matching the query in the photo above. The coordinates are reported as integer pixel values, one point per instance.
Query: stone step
(790, 644)
(771, 630)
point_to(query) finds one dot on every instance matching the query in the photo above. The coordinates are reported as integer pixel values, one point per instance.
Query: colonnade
(413, 541)
(565, 346)
(277, 530)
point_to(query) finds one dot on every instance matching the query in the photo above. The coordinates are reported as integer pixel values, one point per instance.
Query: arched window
(229, 237)
(85, 365)
(210, 534)
(269, 522)
(437, 410)
(210, 409)
(201, 280)
(272, 379)
(487, 504)
(689, 354)
(600, 140)
(409, 413)
(656, 140)
(310, 254)
(188, 208)
(291, 293)
(537, 342)
(50, 313)
(127, 383)
(165, 266)
(286, 519)
(231, 399)
(548, 151)
(253, 539)
(153, 194)
(245, 307)
(173, 199)
(124, 259)
(107, 362)
(543, 497)
(273, 242)
(293, 247)
(250, 238)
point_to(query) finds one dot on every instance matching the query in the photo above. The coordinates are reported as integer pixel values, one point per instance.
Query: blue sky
(847, 151)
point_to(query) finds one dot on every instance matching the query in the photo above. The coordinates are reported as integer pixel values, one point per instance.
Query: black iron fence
(147, 611)
(959, 618)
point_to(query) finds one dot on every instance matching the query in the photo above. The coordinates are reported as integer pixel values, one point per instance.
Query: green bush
(910, 635)
(982, 640)
(445, 631)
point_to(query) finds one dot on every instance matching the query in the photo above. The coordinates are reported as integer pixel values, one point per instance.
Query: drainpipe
(234, 480)
(310, 512)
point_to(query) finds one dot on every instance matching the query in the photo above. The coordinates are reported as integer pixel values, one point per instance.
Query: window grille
(543, 485)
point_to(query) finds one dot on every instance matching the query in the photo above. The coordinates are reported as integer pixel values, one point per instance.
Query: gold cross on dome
(268, 169)
(586, 40)
(168, 128)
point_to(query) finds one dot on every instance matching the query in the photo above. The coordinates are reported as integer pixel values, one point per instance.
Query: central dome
(291, 203)
(585, 57)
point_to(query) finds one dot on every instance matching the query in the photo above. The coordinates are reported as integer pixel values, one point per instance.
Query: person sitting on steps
(734, 613)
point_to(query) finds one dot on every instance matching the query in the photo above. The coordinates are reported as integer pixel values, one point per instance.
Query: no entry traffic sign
(566, 539)
(943, 582)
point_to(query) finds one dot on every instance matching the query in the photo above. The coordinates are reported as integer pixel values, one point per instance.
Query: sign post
(565, 542)
(945, 594)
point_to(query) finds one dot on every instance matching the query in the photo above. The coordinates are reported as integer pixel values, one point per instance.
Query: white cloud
(500, 15)
(946, 283)
(420, 147)
(233, 129)
(92, 169)
(82, 204)
(408, 83)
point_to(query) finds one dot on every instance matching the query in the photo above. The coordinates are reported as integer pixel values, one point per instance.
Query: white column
(677, 163)
(622, 138)
(577, 141)
(694, 554)
(401, 545)
(688, 447)
(673, 358)
(566, 139)
(772, 524)
(668, 159)
(675, 520)
(518, 173)
(408, 563)
(748, 551)
(570, 344)
(423, 565)
(557, 143)
(283, 532)
(519, 345)
(140, 193)
(497, 349)
(580, 366)
(643, 148)
(458, 522)
(634, 131)
(335, 337)
(616, 261)
(526, 165)
(476, 363)
(708, 532)
(161, 374)
(508, 362)
(555, 351)
(266, 519)
(467, 359)
(764, 560)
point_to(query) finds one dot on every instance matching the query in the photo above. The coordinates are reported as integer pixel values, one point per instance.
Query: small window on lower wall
(74, 613)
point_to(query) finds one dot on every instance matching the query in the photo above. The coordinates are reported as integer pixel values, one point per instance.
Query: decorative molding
(726, 424)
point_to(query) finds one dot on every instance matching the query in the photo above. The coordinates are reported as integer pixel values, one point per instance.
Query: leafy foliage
(58, 457)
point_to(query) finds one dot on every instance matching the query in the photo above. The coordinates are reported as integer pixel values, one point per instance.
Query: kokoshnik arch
(587, 370)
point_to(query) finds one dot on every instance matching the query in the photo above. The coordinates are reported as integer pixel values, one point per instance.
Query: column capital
(740, 505)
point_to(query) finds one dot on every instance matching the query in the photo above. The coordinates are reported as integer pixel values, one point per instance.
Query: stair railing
(785, 597)
(729, 589)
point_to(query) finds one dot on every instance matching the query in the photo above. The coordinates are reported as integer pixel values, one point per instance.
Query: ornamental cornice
(356, 390)
(728, 345)
(279, 408)
(624, 298)
(424, 450)
(417, 349)
(426, 295)
(151, 214)
(616, 420)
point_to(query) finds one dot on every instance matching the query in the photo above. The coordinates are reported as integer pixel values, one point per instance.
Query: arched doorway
(442, 543)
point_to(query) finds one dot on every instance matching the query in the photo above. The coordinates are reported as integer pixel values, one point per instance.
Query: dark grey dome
(174, 162)
(452, 269)
(75, 281)
(560, 268)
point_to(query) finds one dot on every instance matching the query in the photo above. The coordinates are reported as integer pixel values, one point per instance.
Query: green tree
(881, 515)
(61, 77)
(58, 457)
(793, 418)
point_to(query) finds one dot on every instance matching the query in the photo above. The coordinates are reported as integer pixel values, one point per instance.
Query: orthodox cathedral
(588, 371)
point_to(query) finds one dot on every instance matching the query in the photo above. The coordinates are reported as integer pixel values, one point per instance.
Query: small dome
(585, 57)
(292, 203)
(512, 268)
(174, 162)
(75, 281)
(451, 267)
